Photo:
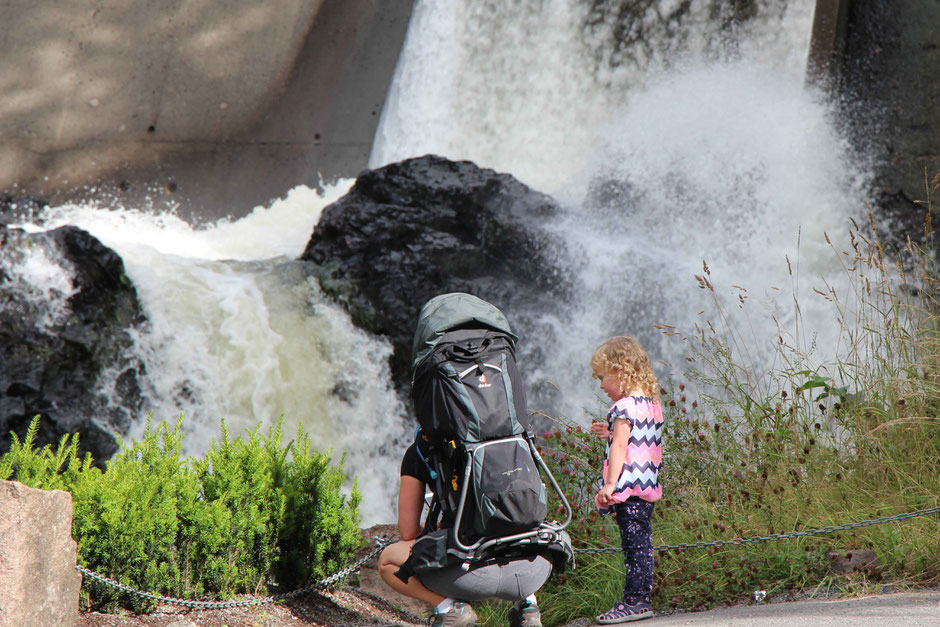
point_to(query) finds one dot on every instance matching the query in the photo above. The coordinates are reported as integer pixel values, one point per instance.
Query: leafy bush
(251, 511)
(317, 532)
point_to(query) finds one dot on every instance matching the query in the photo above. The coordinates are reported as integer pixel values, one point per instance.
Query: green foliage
(42, 469)
(126, 519)
(317, 532)
(242, 482)
(245, 515)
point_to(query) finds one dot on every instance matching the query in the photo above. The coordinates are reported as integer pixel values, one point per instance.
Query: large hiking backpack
(469, 398)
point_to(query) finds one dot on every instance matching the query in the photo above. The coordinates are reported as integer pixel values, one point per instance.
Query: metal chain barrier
(383, 542)
(775, 536)
(220, 605)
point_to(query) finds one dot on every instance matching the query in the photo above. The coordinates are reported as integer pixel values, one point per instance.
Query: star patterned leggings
(636, 539)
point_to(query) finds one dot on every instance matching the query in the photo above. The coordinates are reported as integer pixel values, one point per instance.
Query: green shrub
(317, 532)
(251, 512)
(237, 518)
(126, 519)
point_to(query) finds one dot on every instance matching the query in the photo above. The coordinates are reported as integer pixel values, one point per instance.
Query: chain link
(772, 537)
(219, 605)
(383, 542)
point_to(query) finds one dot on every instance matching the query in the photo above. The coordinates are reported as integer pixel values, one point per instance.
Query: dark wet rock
(902, 227)
(890, 90)
(421, 227)
(901, 217)
(65, 346)
(18, 208)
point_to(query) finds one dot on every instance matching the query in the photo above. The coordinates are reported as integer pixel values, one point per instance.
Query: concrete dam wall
(217, 105)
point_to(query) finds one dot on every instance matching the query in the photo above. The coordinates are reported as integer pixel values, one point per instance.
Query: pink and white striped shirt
(640, 473)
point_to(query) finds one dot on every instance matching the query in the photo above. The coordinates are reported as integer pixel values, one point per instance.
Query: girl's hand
(604, 494)
(599, 429)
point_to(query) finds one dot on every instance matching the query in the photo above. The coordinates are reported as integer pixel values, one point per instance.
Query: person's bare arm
(615, 459)
(410, 504)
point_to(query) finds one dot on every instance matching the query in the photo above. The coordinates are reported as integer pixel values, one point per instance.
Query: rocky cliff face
(890, 78)
(422, 227)
(65, 350)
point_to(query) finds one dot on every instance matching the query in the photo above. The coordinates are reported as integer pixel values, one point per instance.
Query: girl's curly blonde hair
(623, 357)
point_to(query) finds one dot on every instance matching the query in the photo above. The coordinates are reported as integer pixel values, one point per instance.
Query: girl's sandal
(624, 613)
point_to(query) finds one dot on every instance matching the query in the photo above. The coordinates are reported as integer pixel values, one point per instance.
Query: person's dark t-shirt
(413, 466)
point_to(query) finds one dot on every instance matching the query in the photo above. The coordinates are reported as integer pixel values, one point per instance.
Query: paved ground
(886, 610)
(352, 609)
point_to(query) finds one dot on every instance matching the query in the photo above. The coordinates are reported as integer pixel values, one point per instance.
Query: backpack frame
(469, 398)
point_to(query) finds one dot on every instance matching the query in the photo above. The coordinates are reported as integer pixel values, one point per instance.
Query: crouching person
(485, 535)
(450, 589)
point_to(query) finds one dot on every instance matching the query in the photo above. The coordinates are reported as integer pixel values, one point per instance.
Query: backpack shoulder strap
(421, 439)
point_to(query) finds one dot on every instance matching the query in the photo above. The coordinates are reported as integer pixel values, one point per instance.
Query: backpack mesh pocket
(508, 492)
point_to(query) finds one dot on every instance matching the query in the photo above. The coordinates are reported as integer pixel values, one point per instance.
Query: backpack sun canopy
(452, 311)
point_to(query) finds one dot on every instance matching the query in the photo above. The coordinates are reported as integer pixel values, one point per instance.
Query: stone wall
(38, 581)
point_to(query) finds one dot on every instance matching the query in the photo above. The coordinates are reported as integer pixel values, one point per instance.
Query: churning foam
(680, 136)
(525, 88)
(42, 280)
(236, 331)
(724, 166)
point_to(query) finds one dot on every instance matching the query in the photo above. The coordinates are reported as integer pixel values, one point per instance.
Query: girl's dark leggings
(636, 538)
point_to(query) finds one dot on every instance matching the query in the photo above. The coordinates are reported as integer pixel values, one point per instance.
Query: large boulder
(66, 311)
(38, 581)
(412, 230)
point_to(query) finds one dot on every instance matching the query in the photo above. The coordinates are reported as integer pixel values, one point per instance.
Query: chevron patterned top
(640, 474)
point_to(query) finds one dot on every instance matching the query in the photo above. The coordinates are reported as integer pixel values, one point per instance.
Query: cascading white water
(677, 136)
(702, 127)
(43, 280)
(526, 88)
(236, 332)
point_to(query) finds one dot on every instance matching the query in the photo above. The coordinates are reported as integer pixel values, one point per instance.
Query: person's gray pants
(511, 580)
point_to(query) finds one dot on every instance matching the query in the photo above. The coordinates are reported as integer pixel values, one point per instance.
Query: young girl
(633, 457)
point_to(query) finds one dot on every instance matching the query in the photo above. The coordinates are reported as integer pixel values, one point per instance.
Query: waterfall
(236, 332)
(674, 134)
(671, 133)
(526, 88)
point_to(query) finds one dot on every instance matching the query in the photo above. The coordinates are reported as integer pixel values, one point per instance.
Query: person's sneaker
(460, 615)
(624, 613)
(525, 614)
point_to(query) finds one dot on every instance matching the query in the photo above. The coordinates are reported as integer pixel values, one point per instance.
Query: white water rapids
(679, 137)
(235, 332)
(703, 130)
